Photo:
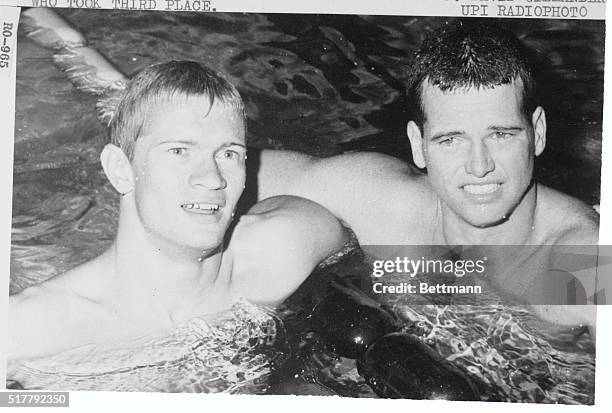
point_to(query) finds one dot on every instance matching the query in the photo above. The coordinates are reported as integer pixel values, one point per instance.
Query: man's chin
(487, 222)
(203, 246)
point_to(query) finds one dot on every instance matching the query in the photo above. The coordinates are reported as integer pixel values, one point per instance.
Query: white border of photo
(572, 9)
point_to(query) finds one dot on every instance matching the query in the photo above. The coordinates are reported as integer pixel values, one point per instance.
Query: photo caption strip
(531, 9)
(9, 18)
(34, 399)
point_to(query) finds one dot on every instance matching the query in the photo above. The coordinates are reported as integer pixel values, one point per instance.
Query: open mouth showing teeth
(201, 207)
(481, 189)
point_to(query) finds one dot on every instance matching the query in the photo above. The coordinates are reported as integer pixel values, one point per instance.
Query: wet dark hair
(470, 54)
(159, 84)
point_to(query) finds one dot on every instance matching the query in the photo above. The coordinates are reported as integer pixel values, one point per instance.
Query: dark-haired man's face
(478, 147)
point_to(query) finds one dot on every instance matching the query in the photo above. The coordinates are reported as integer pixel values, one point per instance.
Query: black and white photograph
(364, 206)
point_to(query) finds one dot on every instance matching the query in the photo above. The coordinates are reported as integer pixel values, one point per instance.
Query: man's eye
(502, 135)
(230, 154)
(177, 151)
(448, 141)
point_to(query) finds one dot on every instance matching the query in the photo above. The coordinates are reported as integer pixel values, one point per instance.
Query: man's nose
(208, 175)
(480, 162)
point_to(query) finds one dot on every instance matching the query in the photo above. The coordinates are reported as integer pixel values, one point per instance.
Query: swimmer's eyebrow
(178, 142)
(228, 144)
(195, 143)
(510, 128)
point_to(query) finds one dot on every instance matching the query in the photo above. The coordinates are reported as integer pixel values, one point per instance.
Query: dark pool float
(348, 321)
(395, 365)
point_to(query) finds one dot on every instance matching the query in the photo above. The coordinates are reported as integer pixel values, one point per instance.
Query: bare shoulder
(567, 219)
(38, 322)
(43, 318)
(285, 213)
(278, 243)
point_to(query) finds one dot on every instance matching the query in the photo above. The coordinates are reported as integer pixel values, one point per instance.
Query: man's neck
(163, 282)
(518, 229)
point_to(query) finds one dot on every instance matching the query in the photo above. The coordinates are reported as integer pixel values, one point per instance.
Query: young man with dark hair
(476, 130)
(177, 158)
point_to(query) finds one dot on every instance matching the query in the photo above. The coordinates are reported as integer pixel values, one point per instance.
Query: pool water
(232, 351)
(508, 353)
(320, 84)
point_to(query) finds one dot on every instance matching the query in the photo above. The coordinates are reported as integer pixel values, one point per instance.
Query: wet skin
(168, 262)
(478, 147)
(189, 172)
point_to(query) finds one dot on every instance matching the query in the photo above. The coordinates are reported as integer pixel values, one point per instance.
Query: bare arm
(278, 244)
(369, 192)
(577, 256)
(582, 235)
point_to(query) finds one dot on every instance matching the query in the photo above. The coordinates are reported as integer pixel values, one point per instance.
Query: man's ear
(416, 143)
(538, 121)
(117, 168)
